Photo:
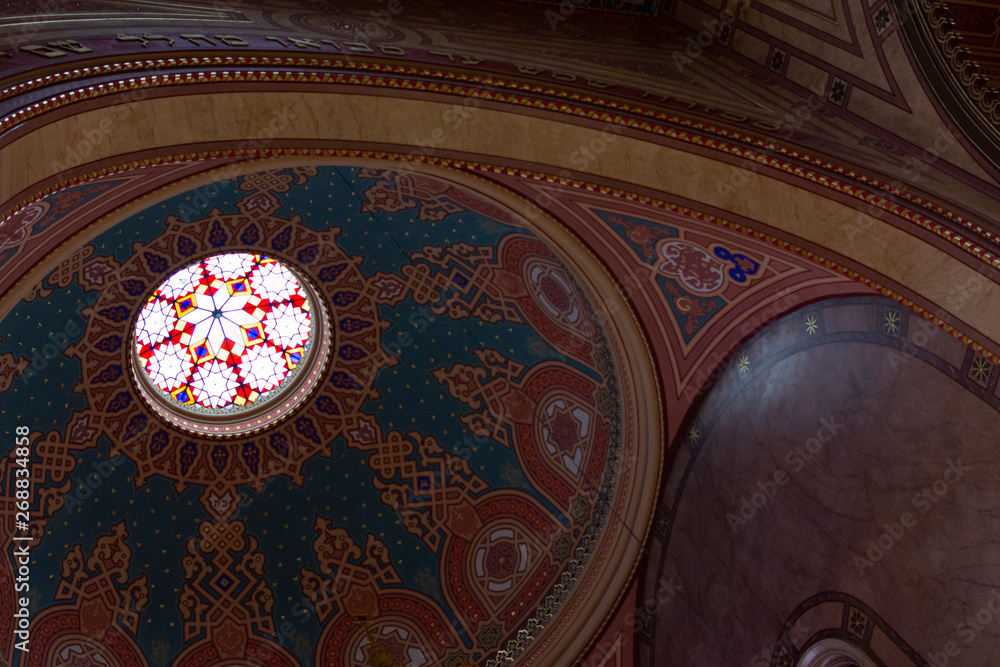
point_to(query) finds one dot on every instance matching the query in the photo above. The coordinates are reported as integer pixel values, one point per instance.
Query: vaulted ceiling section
(646, 320)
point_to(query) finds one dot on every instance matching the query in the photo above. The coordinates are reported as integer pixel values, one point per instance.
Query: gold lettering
(304, 43)
(193, 38)
(232, 40)
(358, 47)
(71, 45)
(44, 51)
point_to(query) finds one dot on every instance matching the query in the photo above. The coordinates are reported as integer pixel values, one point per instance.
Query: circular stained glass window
(229, 344)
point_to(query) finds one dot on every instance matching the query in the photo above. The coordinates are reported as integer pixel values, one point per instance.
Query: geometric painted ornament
(224, 334)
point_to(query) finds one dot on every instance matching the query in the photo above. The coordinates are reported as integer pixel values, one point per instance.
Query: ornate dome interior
(460, 419)
(415, 333)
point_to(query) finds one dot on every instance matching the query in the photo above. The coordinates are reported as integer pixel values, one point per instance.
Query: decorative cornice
(875, 193)
(960, 60)
(952, 73)
(473, 166)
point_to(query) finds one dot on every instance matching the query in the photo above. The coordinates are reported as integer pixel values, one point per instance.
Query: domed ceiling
(447, 477)
(528, 253)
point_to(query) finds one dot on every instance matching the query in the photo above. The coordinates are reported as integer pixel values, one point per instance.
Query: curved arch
(782, 454)
(925, 256)
(575, 623)
(838, 228)
(62, 636)
(834, 653)
(259, 651)
(845, 640)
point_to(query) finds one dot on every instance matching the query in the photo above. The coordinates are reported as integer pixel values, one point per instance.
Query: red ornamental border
(429, 619)
(263, 652)
(872, 199)
(573, 339)
(67, 620)
(539, 383)
(554, 485)
(199, 657)
(513, 506)
(7, 603)
(455, 567)
(412, 607)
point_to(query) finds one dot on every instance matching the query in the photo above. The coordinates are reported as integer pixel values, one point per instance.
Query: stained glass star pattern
(224, 332)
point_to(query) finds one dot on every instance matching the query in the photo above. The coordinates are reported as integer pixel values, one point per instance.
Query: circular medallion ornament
(223, 343)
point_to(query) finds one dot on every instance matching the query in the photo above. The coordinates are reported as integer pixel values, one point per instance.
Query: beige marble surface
(904, 426)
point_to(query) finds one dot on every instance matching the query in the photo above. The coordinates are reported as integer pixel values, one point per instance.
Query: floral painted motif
(697, 270)
(16, 227)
